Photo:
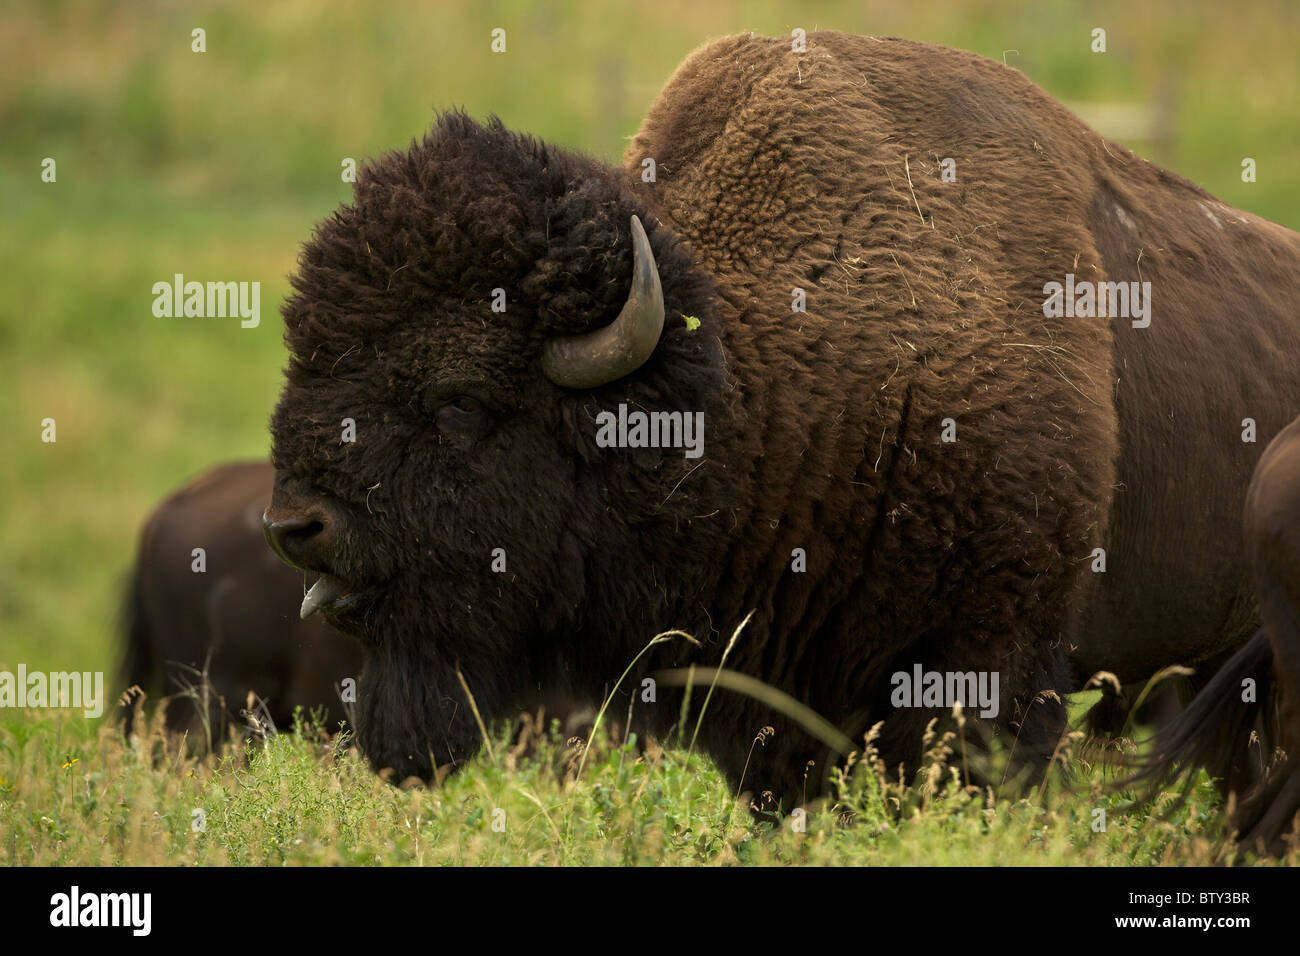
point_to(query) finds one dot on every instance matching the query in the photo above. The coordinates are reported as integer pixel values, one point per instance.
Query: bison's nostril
(291, 538)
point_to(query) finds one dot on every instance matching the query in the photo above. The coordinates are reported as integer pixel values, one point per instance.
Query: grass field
(217, 164)
(298, 798)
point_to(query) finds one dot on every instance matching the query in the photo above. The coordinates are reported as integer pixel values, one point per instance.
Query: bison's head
(453, 334)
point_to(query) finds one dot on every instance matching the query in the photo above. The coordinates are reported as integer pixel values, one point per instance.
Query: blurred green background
(217, 164)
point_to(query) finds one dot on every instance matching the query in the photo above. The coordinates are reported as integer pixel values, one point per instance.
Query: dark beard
(413, 715)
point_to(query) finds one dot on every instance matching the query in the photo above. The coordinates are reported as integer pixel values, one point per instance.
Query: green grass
(69, 795)
(217, 165)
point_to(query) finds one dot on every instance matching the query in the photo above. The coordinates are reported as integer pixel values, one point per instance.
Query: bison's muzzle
(307, 541)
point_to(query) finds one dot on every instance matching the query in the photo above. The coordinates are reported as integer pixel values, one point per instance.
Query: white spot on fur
(1125, 219)
(1211, 216)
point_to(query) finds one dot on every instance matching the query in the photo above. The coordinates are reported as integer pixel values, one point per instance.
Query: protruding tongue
(324, 591)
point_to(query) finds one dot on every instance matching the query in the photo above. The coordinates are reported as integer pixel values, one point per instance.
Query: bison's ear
(620, 348)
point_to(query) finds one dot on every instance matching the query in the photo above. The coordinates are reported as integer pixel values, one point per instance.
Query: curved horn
(620, 348)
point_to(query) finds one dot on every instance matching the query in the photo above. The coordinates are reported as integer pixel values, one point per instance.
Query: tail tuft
(1215, 733)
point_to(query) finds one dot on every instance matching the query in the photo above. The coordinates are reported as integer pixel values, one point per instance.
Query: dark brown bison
(237, 619)
(912, 448)
(1258, 690)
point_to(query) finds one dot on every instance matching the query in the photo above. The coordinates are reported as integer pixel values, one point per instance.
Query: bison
(232, 627)
(1257, 692)
(925, 449)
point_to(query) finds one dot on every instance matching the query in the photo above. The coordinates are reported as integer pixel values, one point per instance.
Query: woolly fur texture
(776, 171)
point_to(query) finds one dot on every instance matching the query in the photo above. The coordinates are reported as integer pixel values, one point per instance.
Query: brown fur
(784, 170)
(778, 170)
(1038, 195)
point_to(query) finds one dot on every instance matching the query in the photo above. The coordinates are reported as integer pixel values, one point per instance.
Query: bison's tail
(1215, 731)
(137, 666)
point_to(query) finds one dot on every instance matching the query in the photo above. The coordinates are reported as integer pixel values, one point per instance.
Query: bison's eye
(461, 414)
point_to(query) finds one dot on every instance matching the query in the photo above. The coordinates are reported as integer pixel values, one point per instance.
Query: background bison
(207, 639)
(778, 172)
(1251, 708)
